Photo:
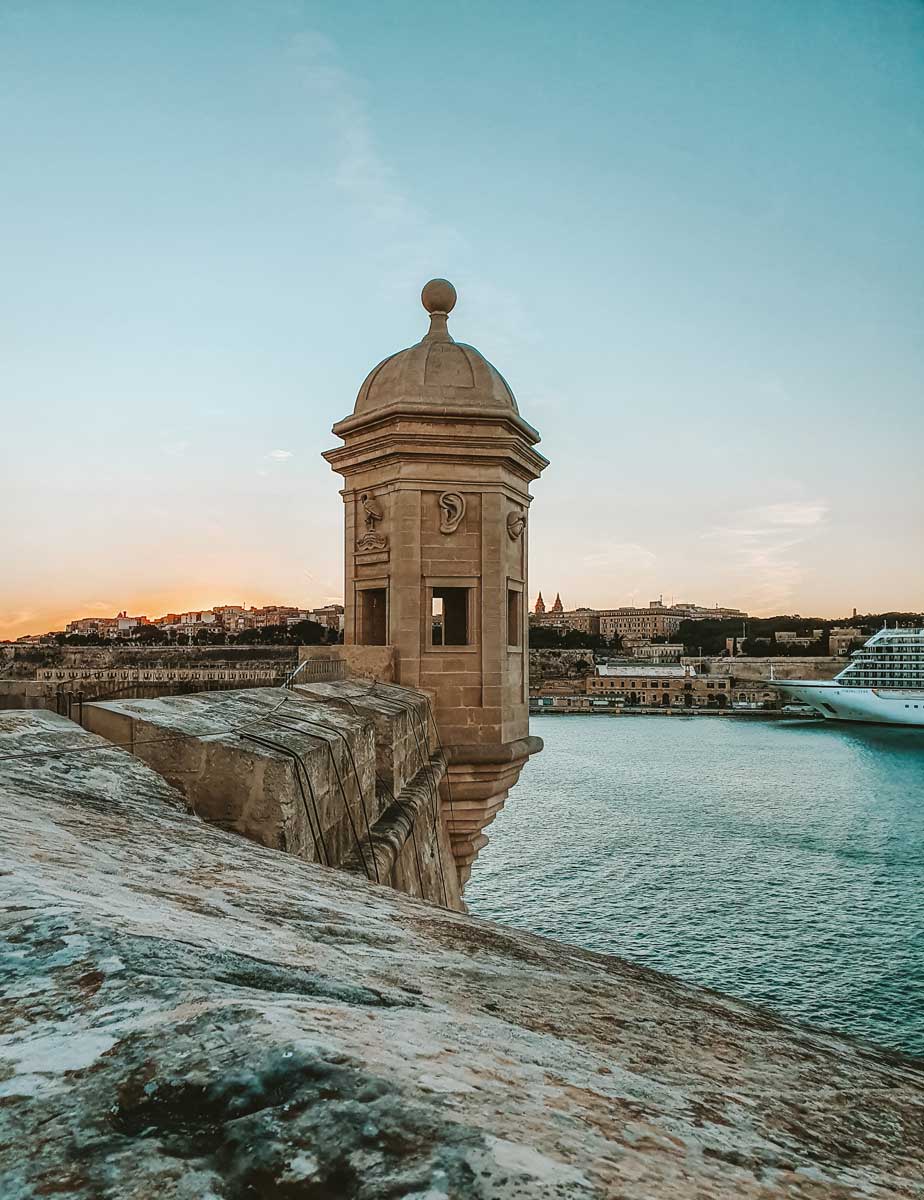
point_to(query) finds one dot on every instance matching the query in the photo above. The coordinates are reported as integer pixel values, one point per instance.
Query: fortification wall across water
(23, 662)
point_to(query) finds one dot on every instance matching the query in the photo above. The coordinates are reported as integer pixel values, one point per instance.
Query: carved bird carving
(371, 509)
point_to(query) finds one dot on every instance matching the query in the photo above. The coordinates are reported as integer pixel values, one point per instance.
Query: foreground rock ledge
(186, 1014)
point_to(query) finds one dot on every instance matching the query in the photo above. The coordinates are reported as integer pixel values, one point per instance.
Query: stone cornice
(438, 438)
(448, 413)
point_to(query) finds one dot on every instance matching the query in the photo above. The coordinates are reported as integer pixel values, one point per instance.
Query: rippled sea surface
(780, 862)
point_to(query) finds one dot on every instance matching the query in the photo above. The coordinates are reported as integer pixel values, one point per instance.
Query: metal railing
(317, 670)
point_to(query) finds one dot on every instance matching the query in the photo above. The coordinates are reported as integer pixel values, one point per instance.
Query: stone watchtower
(437, 464)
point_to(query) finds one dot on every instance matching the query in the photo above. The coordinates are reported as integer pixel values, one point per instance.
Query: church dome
(438, 372)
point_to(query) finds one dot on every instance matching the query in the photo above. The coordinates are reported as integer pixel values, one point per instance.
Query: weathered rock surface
(189, 1015)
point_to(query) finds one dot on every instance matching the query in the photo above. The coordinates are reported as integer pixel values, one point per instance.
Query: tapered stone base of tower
(474, 791)
(437, 464)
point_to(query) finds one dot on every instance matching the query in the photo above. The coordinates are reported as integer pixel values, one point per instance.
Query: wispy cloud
(761, 549)
(792, 513)
(270, 461)
(360, 171)
(621, 555)
(411, 239)
(17, 618)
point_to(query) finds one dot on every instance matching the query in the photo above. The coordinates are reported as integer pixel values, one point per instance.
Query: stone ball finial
(438, 296)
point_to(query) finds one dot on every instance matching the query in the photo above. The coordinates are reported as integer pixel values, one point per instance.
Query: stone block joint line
(299, 763)
(296, 721)
(346, 804)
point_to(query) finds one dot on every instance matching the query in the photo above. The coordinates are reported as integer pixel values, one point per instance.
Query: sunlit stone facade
(437, 464)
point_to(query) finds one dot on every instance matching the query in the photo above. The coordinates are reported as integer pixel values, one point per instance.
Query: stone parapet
(376, 663)
(404, 738)
(27, 693)
(329, 774)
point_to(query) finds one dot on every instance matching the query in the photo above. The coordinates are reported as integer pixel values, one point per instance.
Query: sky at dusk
(690, 235)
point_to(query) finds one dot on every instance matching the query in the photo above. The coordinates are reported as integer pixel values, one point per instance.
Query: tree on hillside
(302, 633)
(308, 633)
(150, 635)
(546, 637)
(210, 637)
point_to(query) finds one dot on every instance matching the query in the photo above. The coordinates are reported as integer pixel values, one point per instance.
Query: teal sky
(691, 236)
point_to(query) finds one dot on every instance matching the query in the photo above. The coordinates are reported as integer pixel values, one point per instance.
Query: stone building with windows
(791, 637)
(667, 685)
(842, 639)
(648, 622)
(653, 652)
(583, 620)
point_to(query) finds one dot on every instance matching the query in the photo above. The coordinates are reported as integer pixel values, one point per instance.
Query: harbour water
(778, 861)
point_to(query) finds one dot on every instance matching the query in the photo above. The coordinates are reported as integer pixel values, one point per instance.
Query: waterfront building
(582, 620)
(697, 612)
(126, 626)
(665, 686)
(842, 639)
(655, 652)
(789, 637)
(639, 622)
(275, 614)
(329, 615)
(628, 623)
(92, 626)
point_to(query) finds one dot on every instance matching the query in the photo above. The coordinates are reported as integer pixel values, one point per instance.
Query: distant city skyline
(724, 611)
(688, 235)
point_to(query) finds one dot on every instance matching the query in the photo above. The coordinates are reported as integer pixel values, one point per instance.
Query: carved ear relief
(453, 507)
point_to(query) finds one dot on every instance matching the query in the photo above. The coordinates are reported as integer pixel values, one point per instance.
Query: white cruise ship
(883, 682)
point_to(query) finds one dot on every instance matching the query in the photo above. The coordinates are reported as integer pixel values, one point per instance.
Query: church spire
(540, 605)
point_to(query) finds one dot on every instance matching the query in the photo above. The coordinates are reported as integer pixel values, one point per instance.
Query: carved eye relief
(452, 506)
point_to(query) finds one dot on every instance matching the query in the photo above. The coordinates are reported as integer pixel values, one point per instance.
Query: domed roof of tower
(436, 373)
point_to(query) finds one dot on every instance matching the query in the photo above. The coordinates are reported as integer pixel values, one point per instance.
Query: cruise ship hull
(882, 706)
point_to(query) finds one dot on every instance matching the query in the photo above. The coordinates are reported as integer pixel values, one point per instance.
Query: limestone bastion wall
(344, 774)
(189, 1014)
(776, 668)
(24, 662)
(559, 664)
(60, 678)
